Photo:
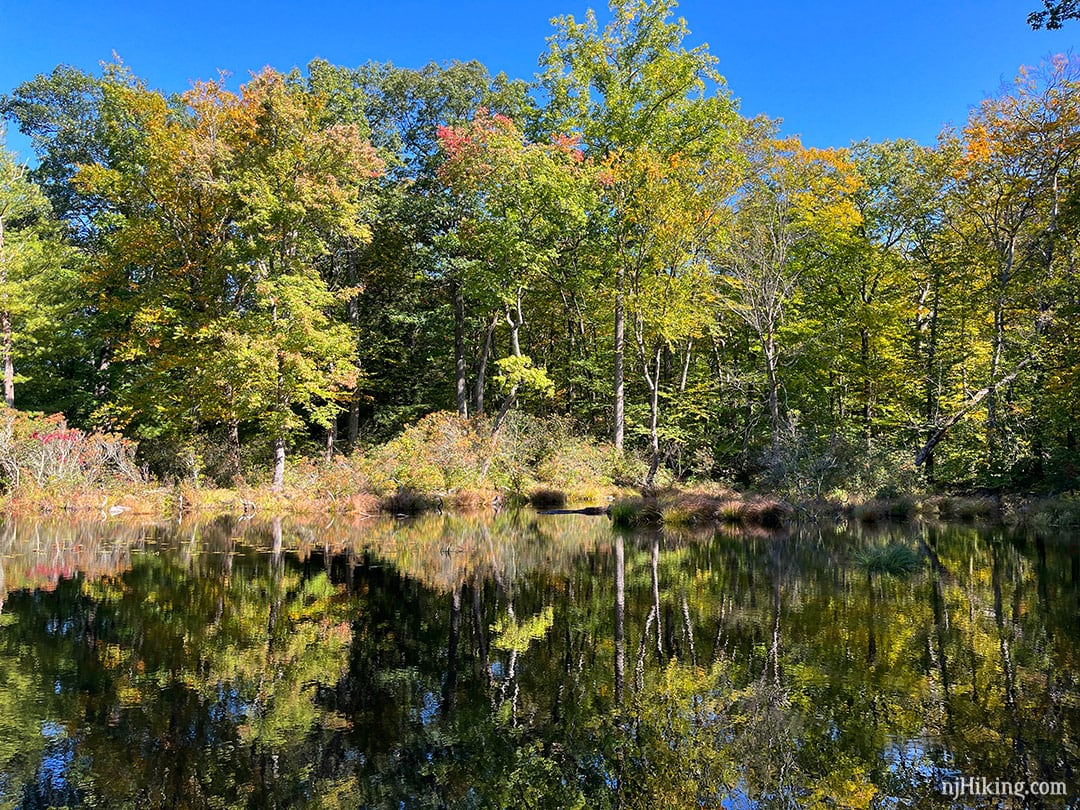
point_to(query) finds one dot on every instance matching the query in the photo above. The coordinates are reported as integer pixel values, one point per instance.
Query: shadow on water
(531, 661)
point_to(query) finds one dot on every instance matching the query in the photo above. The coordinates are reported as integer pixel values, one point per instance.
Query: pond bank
(693, 506)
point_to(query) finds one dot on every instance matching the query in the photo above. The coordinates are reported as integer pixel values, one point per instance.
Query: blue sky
(834, 70)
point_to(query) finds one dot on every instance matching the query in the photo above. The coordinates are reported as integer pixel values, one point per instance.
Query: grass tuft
(894, 559)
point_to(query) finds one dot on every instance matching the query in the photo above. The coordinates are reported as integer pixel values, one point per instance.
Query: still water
(536, 661)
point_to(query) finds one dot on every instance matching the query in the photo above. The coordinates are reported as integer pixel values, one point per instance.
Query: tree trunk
(281, 404)
(930, 390)
(515, 348)
(234, 449)
(654, 416)
(864, 359)
(5, 329)
(279, 464)
(620, 339)
(769, 346)
(9, 366)
(354, 420)
(459, 349)
(101, 386)
(997, 353)
(331, 437)
(481, 367)
(686, 365)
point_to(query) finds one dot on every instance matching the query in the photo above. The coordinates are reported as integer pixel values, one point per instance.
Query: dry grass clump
(546, 498)
(630, 512)
(407, 502)
(1051, 513)
(769, 513)
(963, 507)
(472, 500)
(885, 509)
(675, 509)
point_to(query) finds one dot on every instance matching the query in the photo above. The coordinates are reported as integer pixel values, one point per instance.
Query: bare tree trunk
(867, 392)
(481, 368)
(279, 464)
(769, 345)
(354, 420)
(101, 387)
(997, 353)
(929, 389)
(331, 437)
(459, 348)
(234, 449)
(686, 365)
(5, 329)
(515, 348)
(9, 365)
(653, 380)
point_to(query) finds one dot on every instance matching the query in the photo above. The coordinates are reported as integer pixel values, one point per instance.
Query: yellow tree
(1014, 160)
(793, 201)
(217, 218)
(673, 213)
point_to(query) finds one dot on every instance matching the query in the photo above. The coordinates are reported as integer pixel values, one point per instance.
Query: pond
(523, 660)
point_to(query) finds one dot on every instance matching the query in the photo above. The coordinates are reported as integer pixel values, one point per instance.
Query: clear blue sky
(834, 70)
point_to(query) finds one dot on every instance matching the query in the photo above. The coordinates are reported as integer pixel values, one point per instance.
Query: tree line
(314, 260)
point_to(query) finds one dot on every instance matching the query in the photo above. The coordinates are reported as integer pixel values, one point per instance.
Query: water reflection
(527, 660)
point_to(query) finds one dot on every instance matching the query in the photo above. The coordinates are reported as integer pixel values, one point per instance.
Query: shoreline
(674, 507)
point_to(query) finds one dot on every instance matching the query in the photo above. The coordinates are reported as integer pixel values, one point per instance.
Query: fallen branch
(977, 397)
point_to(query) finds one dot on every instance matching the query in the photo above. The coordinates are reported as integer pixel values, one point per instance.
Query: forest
(606, 270)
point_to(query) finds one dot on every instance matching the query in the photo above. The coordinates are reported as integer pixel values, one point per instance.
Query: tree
(524, 207)
(794, 200)
(673, 214)
(1011, 175)
(218, 220)
(632, 85)
(26, 256)
(413, 299)
(1055, 13)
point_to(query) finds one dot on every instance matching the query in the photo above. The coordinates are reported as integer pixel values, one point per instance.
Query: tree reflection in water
(524, 660)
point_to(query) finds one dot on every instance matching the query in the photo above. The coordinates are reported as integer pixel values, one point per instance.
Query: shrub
(439, 453)
(42, 452)
(1053, 514)
(966, 508)
(678, 515)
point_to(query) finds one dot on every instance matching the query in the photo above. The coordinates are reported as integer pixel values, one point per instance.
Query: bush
(42, 452)
(439, 453)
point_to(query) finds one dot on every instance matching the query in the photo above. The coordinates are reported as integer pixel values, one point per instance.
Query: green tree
(1055, 13)
(210, 256)
(628, 86)
(525, 207)
(28, 260)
